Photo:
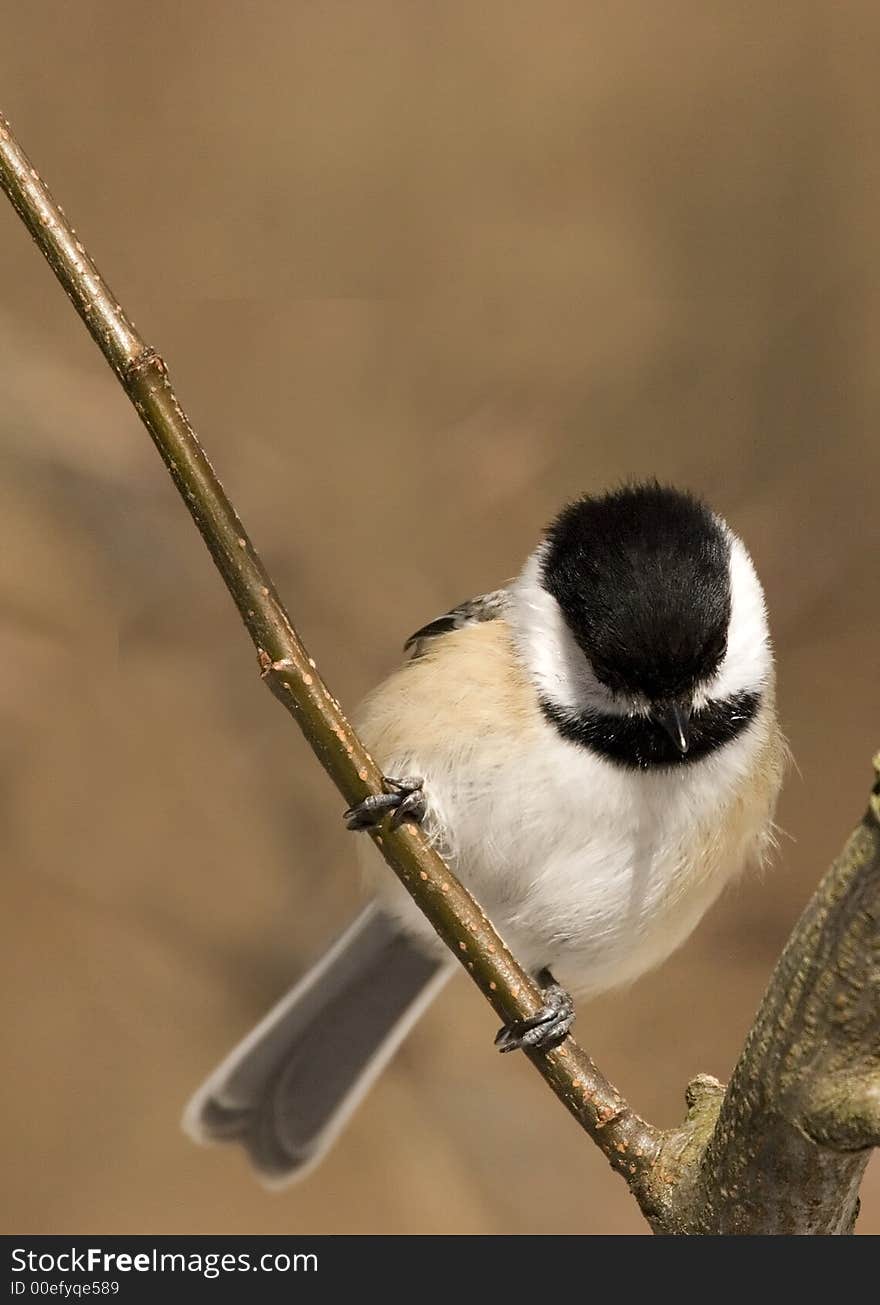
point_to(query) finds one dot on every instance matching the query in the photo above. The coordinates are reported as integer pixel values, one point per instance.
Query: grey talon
(412, 807)
(405, 800)
(369, 812)
(546, 1028)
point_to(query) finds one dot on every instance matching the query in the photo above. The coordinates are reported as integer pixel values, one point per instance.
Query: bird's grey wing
(486, 607)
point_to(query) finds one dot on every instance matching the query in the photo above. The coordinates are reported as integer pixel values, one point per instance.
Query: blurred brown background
(421, 272)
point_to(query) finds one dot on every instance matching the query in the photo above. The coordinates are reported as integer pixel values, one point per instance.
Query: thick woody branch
(784, 1149)
(627, 1141)
(802, 1111)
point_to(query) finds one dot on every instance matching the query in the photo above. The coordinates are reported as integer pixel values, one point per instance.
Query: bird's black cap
(642, 578)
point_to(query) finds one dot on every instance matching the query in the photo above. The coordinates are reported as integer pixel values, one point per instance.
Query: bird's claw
(405, 799)
(546, 1028)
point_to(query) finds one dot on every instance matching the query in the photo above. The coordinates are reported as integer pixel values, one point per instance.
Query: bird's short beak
(675, 717)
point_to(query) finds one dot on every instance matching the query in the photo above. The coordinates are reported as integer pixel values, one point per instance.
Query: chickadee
(595, 751)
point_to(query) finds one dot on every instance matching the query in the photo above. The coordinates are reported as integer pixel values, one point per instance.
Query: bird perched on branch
(594, 750)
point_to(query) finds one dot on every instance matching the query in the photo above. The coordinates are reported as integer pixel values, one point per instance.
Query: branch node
(272, 670)
(702, 1094)
(147, 360)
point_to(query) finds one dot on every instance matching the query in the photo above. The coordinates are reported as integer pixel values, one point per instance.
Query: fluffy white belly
(597, 871)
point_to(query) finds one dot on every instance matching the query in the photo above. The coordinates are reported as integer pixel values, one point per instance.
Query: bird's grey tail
(288, 1089)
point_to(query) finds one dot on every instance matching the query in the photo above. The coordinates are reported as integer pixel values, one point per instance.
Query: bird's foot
(547, 1027)
(404, 798)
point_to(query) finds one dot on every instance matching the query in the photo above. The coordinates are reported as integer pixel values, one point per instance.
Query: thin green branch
(626, 1140)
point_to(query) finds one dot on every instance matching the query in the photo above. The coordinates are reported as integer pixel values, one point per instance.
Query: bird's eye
(715, 647)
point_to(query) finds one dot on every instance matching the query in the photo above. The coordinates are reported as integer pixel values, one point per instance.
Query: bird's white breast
(597, 871)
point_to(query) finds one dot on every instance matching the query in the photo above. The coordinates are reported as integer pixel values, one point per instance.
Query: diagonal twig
(627, 1141)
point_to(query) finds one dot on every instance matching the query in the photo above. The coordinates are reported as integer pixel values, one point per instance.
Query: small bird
(595, 751)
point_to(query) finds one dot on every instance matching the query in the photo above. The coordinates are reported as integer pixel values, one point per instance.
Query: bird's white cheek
(747, 665)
